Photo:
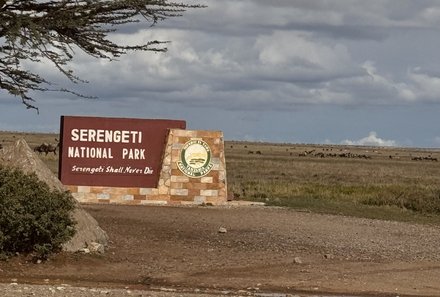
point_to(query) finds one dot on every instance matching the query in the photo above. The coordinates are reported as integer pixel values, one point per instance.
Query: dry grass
(369, 182)
(33, 140)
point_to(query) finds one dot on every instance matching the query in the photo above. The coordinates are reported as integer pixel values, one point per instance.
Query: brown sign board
(114, 152)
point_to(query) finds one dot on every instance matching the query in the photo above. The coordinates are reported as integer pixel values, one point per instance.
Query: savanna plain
(338, 220)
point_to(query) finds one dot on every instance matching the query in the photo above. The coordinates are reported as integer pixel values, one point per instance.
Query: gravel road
(239, 249)
(25, 290)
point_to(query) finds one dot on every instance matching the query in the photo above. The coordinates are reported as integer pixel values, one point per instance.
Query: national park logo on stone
(195, 158)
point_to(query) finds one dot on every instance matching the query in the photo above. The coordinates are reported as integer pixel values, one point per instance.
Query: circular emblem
(195, 158)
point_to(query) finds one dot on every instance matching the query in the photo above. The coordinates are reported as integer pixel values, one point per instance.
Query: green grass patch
(392, 201)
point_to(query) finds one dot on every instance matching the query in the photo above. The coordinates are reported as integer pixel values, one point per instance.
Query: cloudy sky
(309, 71)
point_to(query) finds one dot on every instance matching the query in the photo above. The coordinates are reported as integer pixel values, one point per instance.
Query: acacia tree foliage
(42, 30)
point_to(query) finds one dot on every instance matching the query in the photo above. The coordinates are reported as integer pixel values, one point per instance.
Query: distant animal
(47, 148)
(40, 148)
(52, 148)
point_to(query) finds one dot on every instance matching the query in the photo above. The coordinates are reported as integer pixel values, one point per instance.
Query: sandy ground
(263, 250)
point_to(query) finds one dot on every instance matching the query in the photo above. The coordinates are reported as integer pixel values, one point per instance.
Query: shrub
(34, 219)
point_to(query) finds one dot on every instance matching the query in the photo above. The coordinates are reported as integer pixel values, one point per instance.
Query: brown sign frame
(114, 152)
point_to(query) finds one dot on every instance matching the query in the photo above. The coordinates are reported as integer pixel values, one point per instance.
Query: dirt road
(263, 250)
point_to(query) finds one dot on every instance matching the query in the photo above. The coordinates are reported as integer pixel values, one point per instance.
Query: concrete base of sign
(199, 185)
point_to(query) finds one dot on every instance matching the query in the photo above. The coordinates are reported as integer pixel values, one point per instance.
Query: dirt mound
(20, 155)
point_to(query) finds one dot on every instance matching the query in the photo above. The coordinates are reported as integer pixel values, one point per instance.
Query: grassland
(388, 183)
(376, 182)
(33, 140)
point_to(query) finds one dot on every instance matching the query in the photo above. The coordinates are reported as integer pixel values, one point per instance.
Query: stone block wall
(175, 187)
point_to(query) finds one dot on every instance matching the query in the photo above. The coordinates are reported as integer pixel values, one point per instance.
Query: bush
(33, 218)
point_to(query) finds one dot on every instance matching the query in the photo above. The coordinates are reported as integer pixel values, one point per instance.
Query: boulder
(88, 232)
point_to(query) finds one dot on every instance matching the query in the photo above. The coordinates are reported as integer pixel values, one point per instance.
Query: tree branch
(33, 30)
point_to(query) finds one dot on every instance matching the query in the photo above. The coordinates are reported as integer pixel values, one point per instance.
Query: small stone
(85, 250)
(167, 289)
(222, 230)
(95, 247)
(297, 260)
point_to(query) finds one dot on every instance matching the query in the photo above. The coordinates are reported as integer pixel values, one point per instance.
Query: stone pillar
(198, 187)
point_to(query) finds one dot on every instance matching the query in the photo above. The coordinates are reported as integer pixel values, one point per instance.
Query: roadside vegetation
(400, 184)
(33, 218)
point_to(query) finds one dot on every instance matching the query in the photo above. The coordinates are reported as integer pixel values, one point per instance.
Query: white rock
(222, 230)
(85, 250)
(96, 247)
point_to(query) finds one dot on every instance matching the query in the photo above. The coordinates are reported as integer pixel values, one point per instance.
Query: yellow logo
(195, 158)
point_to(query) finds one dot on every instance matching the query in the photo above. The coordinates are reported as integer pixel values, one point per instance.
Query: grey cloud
(354, 19)
(255, 54)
